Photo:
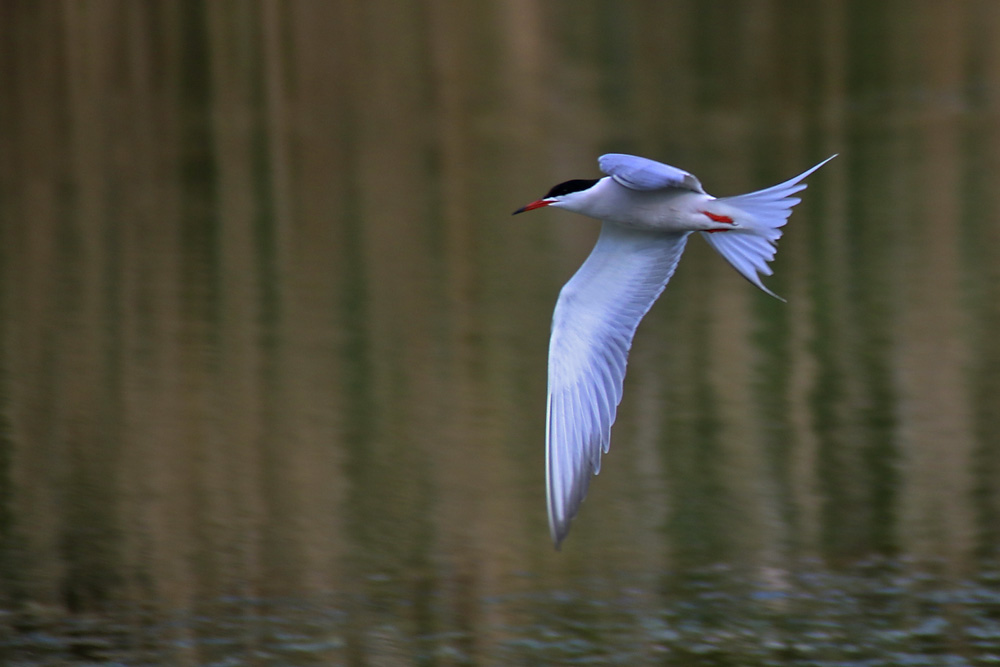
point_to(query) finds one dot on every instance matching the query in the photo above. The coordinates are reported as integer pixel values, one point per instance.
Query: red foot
(718, 218)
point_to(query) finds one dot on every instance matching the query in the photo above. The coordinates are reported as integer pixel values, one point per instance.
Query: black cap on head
(576, 185)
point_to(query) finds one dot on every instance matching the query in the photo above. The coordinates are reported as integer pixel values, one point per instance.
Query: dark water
(873, 613)
(272, 349)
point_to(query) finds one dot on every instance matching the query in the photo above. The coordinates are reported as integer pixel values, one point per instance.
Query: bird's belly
(656, 211)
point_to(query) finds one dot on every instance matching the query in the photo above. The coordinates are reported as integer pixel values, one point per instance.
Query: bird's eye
(576, 185)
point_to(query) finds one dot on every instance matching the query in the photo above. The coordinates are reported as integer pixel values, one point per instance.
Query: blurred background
(273, 350)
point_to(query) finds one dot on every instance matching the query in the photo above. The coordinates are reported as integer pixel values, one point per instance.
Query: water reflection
(272, 351)
(874, 612)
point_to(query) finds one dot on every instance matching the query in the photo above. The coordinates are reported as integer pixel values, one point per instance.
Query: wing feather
(639, 173)
(592, 328)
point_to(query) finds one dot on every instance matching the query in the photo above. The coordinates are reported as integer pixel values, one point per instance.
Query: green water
(272, 348)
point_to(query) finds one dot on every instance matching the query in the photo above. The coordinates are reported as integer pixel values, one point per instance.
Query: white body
(648, 211)
(664, 210)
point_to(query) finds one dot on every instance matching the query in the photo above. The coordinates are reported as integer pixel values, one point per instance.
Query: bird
(647, 211)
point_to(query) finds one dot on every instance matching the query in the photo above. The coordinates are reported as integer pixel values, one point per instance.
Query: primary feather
(595, 319)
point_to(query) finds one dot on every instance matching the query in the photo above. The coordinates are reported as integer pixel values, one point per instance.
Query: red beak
(533, 205)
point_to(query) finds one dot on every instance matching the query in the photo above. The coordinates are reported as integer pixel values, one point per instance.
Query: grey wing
(595, 319)
(639, 173)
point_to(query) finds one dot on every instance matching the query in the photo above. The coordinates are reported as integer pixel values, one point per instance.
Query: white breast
(668, 209)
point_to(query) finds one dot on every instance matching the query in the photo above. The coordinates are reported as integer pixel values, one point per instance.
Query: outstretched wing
(639, 173)
(592, 328)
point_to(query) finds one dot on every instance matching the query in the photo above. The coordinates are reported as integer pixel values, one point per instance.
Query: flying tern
(647, 210)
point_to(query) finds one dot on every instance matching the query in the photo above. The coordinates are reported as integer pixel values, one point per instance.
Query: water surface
(272, 349)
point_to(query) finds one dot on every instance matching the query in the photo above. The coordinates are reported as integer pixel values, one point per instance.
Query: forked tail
(751, 246)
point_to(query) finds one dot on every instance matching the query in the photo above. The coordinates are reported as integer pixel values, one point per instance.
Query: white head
(570, 195)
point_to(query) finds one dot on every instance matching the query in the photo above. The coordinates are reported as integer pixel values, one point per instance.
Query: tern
(647, 210)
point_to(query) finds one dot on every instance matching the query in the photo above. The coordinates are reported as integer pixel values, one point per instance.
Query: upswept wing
(639, 173)
(592, 328)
